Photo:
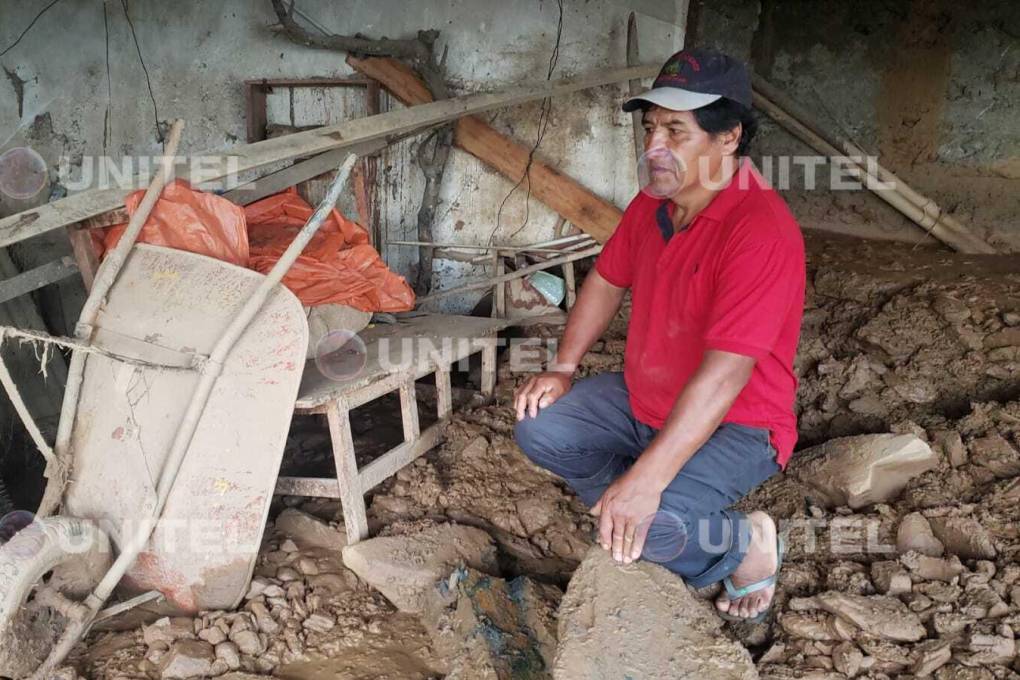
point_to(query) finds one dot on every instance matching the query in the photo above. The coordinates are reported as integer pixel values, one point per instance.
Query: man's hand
(625, 514)
(540, 391)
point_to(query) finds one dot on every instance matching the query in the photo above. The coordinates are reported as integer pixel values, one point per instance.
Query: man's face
(698, 153)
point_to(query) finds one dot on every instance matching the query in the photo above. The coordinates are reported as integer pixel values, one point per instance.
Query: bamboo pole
(921, 210)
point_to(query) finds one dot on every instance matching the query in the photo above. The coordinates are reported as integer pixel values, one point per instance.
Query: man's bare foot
(759, 563)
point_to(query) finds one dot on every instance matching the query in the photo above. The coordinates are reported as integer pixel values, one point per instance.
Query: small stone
(964, 536)
(229, 653)
(914, 533)
(952, 445)
(320, 623)
(274, 591)
(931, 656)
(187, 659)
(287, 574)
(265, 622)
(248, 642)
(890, 578)
(257, 587)
(166, 631)
(214, 635)
(847, 658)
(880, 616)
(289, 546)
(996, 454)
(990, 649)
(932, 568)
(307, 566)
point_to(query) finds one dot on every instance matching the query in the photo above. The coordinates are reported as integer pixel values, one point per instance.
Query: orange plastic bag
(191, 220)
(338, 266)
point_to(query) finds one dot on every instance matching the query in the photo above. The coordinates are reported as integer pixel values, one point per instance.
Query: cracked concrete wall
(929, 85)
(56, 99)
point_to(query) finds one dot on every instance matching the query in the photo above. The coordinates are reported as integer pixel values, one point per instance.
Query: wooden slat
(33, 279)
(409, 411)
(352, 496)
(341, 136)
(589, 212)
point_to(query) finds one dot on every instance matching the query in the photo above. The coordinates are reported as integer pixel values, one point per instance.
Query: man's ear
(730, 139)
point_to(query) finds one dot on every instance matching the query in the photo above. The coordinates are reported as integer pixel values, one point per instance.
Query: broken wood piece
(562, 194)
(343, 135)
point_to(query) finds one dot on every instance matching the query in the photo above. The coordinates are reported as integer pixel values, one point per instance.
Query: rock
(953, 447)
(320, 623)
(164, 632)
(307, 566)
(914, 533)
(931, 656)
(989, 649)
(289, 546)
(996, 454)
(308, 531)
(817, 626)
(607, 605)
(287, 574)
(266, 623)
(248, 642)
(1008, 337)
(404, 568)
(890, 578)
(229, 654)
(187, 659)
(214, 635)
(877, 615)
(964, 536)
(932, 568)
(488, 627)
(847, 658)
(859, 471)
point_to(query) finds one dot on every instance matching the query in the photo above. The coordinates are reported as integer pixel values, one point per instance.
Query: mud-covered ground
(895, 339)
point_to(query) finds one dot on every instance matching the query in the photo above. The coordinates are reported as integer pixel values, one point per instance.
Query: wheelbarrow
(183, 377)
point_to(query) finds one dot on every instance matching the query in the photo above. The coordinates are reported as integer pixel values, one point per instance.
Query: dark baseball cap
(694, 78)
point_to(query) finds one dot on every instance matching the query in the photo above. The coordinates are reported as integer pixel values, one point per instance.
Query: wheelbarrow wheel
(60, 554)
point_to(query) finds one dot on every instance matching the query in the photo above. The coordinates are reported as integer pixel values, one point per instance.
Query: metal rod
(464, 246)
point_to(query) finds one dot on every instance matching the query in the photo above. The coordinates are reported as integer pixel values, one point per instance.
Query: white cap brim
(672, 98)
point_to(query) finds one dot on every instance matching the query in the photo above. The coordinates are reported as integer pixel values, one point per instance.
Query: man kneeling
(703, 412)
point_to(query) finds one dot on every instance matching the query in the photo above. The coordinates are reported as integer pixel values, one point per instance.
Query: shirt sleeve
(754, 292)
(616, 261)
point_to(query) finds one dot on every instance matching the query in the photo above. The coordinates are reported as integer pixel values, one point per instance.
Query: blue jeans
(589, 437)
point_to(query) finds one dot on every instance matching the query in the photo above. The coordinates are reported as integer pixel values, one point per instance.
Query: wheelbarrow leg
(352, 498)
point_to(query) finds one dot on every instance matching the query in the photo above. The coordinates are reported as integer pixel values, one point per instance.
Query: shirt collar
(743, 181)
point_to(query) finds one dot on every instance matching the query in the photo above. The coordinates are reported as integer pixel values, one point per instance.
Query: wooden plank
(275, 182)
(352, 497)
(84, 254)
(488, 385)
(570, 283)
(444, 392)
(409, 411)
(255, 109)
(563, 194)
(398, 350)
(340, 136)
(33, 279)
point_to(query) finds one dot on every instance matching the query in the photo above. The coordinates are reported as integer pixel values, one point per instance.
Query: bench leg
(352, 499)
(489, 367)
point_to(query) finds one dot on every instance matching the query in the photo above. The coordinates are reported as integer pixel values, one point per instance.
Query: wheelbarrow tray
(167, 306)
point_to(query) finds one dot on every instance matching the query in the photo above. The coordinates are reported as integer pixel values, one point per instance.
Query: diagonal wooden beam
(238, 159)
(589, 212)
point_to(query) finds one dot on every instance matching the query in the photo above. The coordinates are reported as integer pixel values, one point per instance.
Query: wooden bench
(396, 355)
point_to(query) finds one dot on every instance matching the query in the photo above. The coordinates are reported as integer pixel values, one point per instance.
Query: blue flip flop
(736, 593)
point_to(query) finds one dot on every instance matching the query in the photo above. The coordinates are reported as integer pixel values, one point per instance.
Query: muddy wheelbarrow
(179, 398)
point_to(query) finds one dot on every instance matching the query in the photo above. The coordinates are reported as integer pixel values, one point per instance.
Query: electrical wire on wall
(148, 83)
(544, 115)
(107, 122)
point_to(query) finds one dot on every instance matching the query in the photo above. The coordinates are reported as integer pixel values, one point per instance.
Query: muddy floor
(896, 338)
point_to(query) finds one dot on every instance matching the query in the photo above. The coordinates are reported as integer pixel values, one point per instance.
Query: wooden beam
(594, 215)
(343, 135)
(33, 279)
(634, 85)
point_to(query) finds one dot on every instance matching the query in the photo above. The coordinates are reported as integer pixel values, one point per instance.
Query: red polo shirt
(733, 280)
